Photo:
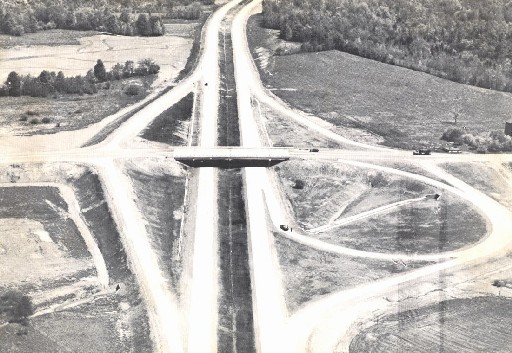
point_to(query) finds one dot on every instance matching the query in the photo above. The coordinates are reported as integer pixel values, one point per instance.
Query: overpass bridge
(230, 157)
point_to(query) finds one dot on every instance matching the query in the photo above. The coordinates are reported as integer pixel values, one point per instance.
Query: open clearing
(462, 325)
(407, 108)
(309, 274)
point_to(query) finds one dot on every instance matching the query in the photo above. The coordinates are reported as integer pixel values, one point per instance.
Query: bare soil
(406, 108)
(462, 325)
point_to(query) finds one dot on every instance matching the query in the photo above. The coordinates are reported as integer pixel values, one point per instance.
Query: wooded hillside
(468, 41)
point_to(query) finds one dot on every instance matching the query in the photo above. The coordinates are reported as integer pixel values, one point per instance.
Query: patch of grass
(426, 226)
(44, 204)
(408, 109)
(331, 189)
(71, 112)
(161, 201)
(309, 274)
(235, 295)
(484, 177)
(53, 37)
(461, 325)
(171, 127)
(96, 213)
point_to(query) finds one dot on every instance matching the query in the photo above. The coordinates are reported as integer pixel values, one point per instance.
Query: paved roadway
(311, 328)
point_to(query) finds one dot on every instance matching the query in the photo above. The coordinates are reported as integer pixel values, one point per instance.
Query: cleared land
(333, 192)
(309, 274)
(462, 325)
(33, 53)
(161, 192)
(407, 108)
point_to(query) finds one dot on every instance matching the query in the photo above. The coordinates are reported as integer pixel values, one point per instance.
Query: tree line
(123, 17)
(48, 83)
(467, 41)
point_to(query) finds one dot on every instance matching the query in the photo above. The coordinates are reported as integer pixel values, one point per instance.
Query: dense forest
(124, 17)
(467, 41)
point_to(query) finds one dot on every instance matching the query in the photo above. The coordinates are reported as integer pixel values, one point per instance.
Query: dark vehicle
(284, 227)
(422, 152)
(313, 150)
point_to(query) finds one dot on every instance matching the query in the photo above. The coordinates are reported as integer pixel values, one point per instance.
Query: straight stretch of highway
(234, 297)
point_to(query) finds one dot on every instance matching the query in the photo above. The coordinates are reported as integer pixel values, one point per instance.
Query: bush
(133, 90)
(34, 121)
(15, 306)
(299, 184)
(377, 180)
(453, 135)
(24, 117)
(46, 120)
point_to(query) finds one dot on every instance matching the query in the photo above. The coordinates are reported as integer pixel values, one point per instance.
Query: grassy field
(53, 268)
(484, 177)
(309, 274)
(331, 189)
(101, 326)
(172, 126)
(161, 201)
(338, 191)
(53, 37)
(75, 53)
(461, 325)
(425, 227)
(69, 112)
(407, 108)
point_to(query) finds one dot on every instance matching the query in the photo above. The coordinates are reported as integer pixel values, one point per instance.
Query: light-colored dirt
(25, 258)
(170, 52)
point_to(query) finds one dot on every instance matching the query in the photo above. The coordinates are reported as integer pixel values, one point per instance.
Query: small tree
(14, 84)
(99, 71)
(299, 184)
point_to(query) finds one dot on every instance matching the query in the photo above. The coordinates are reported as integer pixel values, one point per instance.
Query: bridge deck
(230, 157)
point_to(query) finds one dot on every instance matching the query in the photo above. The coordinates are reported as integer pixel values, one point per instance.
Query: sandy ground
(28, 255)
(170, 52)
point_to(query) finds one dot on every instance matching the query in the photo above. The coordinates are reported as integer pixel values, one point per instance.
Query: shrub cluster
(48, 83)
(494, 141)
(466, 41)
(192, 11)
